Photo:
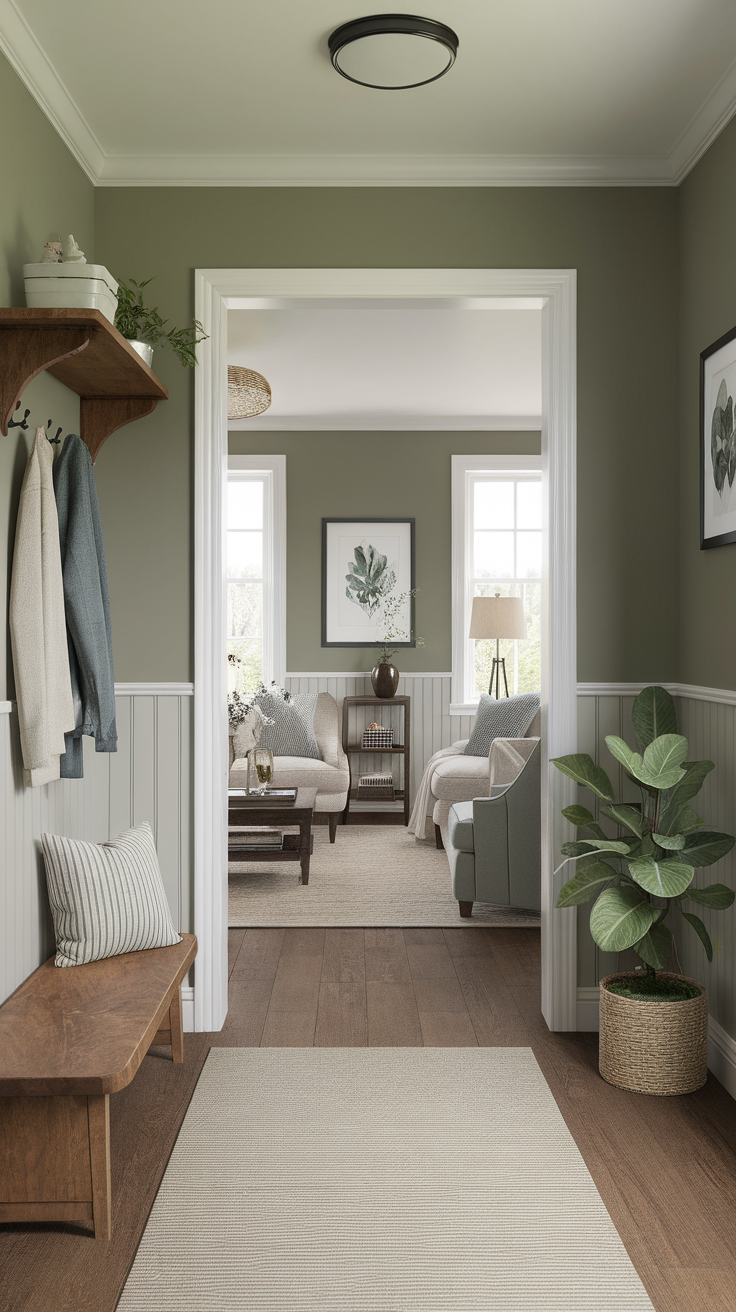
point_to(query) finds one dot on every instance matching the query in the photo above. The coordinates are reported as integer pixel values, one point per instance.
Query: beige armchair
(459, 778)
(330, 776)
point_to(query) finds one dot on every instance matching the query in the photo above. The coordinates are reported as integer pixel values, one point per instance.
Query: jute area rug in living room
(371, 875)
(378, 1180)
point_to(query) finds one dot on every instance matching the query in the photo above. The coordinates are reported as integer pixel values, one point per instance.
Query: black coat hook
(19, 423)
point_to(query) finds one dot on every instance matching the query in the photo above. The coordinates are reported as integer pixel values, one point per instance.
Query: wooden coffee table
(242, 810)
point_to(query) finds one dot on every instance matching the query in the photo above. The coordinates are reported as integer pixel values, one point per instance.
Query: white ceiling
(242, 91)
(389, 365)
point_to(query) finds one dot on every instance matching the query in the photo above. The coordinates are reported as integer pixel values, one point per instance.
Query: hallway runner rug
(378, 1180)
(371, 875)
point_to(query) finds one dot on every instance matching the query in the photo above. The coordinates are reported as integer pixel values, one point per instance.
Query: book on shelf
(241, 837)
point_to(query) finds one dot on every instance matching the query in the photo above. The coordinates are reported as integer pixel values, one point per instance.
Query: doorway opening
(219, 294)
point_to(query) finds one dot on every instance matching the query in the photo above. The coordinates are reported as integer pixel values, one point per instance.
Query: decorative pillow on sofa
(292, 733)
(509, 717)
(106, 898)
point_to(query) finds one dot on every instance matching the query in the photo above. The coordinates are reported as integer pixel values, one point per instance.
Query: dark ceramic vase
(385, 680)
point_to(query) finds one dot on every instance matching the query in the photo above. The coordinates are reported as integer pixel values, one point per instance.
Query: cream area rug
(371, 875)
(378, 1180)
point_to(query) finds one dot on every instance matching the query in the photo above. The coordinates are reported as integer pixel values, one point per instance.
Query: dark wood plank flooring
(666, 1167)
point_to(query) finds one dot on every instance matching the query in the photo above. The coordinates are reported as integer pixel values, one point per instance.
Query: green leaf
(578, 847)
(701, 932)
(695, 772)
(578, 815)
(715, 896)
(652, 715)
(664, 757)
(623, 753)
(670, 842)
(620, 918)
(706, 847)
(678, 819)
(655, 947)
(585, 846)
(588, 880)
(583, 769)
(663, 878)
(627, 816)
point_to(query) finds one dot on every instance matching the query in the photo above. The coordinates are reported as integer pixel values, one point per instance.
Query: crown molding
(38, 74)
(388, 424)
(705, 126)
(385, 171)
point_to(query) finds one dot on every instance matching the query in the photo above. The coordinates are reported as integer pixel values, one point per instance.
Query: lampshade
(248, 393)
(497, 617)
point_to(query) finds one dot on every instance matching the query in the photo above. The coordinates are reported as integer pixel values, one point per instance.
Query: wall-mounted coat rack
(83, 350)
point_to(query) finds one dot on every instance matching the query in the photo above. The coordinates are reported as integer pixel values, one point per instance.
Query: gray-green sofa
(494, 843)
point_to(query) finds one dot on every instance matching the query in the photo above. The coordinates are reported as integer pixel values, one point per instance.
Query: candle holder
(260, 769)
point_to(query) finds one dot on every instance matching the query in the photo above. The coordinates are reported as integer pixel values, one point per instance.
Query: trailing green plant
(136, 321)
(647, 872)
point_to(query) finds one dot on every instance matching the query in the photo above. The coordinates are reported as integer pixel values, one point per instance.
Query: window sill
(464, 708)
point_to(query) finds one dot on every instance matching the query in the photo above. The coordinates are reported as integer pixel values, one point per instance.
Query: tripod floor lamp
(498, 617)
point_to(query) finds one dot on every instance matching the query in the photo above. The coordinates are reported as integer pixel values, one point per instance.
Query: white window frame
(465, 699)
(272, 469)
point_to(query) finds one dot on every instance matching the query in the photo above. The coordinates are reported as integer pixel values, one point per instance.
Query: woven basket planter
(653, 1047)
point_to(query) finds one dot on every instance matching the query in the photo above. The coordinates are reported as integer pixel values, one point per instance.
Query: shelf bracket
(101, 416)
(27, 352)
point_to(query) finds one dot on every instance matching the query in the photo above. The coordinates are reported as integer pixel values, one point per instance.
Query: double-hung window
(256, 570)
(497, 551)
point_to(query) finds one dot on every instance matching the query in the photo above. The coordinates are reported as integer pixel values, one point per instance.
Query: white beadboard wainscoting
(431, 725)
(148, 778)
(707, 718)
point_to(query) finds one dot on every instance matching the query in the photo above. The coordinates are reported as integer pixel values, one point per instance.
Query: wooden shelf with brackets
(83, 350)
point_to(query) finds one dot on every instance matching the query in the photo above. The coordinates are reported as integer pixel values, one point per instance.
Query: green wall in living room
(622, 241)
(362, 475)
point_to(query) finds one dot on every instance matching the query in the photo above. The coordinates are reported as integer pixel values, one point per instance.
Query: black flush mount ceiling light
(393, 52)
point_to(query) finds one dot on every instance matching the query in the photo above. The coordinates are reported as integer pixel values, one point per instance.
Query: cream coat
(37, 624)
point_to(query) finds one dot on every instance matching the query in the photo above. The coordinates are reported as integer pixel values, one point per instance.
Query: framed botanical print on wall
(364, 563)
(718, 443)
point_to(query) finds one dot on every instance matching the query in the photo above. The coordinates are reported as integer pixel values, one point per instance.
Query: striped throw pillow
(106, 898)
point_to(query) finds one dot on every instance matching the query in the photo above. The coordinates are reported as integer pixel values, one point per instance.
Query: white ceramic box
(72, 287)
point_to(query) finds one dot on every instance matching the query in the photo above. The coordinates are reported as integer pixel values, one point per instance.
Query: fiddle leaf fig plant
(639, 878)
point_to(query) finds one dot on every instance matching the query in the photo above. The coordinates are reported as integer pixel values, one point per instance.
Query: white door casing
(217, 291)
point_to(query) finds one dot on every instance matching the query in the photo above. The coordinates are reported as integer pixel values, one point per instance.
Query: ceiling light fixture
(393, 52)
(248, 393)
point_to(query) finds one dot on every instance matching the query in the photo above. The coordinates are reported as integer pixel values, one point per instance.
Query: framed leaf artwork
(718, 443)
(365, 562)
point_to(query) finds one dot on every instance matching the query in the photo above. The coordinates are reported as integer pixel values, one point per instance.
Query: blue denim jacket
(87, 602)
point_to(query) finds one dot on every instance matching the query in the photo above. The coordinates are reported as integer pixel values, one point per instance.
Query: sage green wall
(44, 190)
(622, 241)
(707, 310)
(361, 475)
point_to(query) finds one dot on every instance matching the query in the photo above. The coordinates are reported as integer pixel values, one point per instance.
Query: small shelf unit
(83, 350)
(357, 749)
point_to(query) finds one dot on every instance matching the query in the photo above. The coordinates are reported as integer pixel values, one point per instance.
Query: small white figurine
(72, 253)
(52, 251)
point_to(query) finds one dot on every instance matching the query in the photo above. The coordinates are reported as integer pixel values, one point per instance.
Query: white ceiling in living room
(243, 92)
(345, 365)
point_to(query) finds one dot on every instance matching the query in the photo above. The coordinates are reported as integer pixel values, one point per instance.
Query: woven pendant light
(248, 393)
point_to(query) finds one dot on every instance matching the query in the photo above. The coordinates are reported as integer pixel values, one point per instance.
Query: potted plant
(653, 1021)
(145, 329)
(384, 675)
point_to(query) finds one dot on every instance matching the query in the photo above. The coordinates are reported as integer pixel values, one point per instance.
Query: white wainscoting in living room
(432, 726)
(148, 778)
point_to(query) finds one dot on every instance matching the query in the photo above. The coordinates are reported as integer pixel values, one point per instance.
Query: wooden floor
(666, 1167)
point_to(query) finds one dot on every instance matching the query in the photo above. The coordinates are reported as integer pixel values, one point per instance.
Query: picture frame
(363, 561)
(718, 443)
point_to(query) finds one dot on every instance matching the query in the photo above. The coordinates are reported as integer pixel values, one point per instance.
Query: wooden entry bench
(69, 1037)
